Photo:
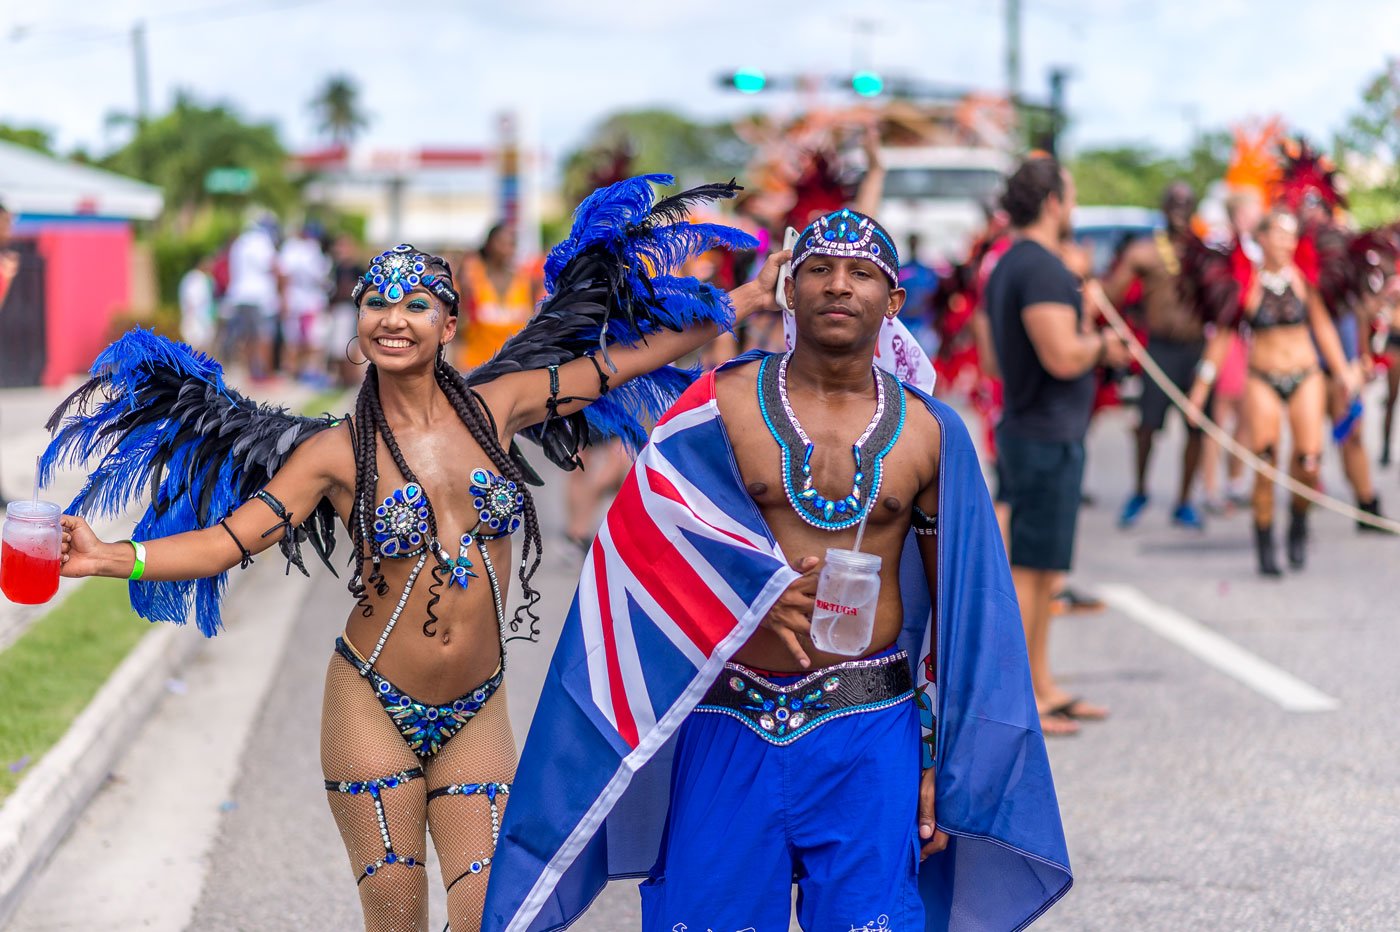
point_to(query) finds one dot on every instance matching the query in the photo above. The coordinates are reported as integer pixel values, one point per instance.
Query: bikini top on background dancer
(429, 455)
(1284, 313)
(1277, 304)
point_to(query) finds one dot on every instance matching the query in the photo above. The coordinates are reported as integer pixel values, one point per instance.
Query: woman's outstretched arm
(299, 485)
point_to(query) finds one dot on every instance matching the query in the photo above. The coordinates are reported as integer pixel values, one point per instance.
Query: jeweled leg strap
(491, 791)
(373, 788)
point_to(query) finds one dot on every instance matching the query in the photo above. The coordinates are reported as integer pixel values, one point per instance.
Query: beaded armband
(551, 403)
(279, 509)
(924, 524)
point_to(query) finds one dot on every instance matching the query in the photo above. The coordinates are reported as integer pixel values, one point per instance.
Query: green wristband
(139, 567)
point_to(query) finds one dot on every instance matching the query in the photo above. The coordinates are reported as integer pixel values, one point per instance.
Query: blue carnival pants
(835, 812)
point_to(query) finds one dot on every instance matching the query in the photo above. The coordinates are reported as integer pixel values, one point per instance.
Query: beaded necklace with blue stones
(869, 450)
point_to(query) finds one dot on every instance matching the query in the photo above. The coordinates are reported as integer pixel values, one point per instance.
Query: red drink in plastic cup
(30, 545)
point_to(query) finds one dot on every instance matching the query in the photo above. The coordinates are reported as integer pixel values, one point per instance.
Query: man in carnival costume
(905, 789)
(1186, 285)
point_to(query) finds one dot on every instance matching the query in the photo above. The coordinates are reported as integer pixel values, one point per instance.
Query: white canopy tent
(34, 183)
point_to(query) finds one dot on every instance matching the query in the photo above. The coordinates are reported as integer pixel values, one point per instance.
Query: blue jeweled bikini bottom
(425, 727)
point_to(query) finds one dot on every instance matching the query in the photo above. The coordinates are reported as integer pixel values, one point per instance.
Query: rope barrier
(1218, 433)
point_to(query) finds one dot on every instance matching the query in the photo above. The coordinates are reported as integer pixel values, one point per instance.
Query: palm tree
(337, 108)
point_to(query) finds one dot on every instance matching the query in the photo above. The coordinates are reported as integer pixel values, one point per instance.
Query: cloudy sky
(1144, 71)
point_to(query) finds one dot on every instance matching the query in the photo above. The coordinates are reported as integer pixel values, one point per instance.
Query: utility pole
(1058, 76)
(143, 81)
(1013, 49)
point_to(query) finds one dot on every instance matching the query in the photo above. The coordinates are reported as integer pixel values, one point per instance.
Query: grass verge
(55, 668)
(328, 400)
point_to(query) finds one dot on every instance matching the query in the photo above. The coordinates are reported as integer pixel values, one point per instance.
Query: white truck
(941, 193)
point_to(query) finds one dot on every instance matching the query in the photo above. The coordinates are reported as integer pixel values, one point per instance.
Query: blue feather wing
(613, 281)
(168, 429)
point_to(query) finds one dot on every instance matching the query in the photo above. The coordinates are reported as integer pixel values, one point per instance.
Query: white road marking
(1291, 693)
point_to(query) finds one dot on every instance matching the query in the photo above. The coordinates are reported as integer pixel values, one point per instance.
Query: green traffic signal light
(749, 80)
(867, 83)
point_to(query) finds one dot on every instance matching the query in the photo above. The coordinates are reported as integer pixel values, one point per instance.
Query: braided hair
(370, 424)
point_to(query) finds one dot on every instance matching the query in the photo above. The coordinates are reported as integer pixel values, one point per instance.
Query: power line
(81, 42)
(115, 34)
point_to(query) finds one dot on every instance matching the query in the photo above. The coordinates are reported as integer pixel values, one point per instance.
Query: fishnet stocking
(480, 761)
(359, 743)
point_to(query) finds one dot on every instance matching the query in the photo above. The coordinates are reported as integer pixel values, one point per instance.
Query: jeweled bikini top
(401, 521)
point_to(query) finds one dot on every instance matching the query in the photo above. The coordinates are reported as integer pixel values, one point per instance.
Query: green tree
(1369, 148)
(178, 149)
(1136, 175)
(31, 137)
(338, 112)
(659, 141)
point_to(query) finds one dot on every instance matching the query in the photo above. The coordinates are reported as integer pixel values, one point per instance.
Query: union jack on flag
(682, 571)
(673, 558)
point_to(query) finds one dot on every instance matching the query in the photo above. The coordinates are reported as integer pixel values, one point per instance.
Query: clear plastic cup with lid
(848, 590)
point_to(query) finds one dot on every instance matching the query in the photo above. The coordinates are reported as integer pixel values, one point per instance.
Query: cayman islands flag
(682, 571)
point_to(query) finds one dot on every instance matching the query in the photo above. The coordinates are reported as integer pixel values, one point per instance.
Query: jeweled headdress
(395, 272)
(847, 233)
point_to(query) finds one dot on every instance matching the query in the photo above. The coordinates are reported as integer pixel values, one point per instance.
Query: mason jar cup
(843, 617)
(30, 546)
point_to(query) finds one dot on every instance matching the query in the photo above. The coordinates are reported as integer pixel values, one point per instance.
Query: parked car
(1106, 230)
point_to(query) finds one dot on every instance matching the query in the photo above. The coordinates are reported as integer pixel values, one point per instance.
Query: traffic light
(867, 83)
(748, 80)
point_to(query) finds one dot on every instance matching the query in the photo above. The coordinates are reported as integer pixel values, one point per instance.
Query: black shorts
(1180, 362)
(1041, 481)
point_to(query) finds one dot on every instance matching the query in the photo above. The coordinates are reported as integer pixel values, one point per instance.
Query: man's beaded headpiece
(395, 272)
(847, 233)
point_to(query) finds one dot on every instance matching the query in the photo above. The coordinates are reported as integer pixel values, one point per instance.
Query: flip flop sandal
(1058, 726)
(1066, 710)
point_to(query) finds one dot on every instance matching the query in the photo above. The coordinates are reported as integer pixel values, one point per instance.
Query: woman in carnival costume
(427, 480)
(1284, 315)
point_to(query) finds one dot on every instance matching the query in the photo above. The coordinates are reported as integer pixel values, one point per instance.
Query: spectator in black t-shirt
(1047, 353)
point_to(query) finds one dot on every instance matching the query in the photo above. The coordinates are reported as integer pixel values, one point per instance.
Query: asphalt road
(1204, 803)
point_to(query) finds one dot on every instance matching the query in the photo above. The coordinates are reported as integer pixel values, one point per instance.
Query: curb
(43, 808)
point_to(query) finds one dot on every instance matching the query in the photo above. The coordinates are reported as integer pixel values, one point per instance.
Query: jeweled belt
(782, 714)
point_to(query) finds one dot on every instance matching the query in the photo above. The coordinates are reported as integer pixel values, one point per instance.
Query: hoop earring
(350, 359)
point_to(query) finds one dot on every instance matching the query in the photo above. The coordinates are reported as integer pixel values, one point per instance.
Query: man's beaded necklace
(879, 436)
